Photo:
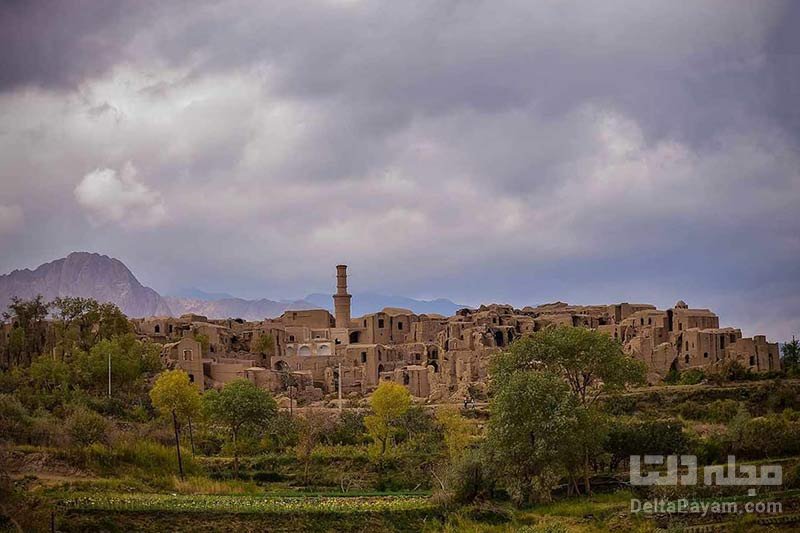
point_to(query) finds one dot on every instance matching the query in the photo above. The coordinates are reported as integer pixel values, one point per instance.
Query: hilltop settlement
(311, 355)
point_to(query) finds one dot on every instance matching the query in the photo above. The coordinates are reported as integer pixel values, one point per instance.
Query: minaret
(341, 300)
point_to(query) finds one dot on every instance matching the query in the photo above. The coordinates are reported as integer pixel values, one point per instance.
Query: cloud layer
(109, 196)
(484, 151)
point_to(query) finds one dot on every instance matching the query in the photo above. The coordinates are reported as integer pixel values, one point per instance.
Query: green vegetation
(550, 452)
(174, 395)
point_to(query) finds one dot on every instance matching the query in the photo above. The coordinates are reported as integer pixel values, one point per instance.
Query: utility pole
(340, 386)
(109, 374)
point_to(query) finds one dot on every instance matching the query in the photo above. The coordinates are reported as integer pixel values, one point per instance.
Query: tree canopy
(240, 405)
(389, 403)
(591, 362)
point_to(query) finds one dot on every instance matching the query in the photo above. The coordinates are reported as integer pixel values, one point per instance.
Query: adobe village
(307, 354)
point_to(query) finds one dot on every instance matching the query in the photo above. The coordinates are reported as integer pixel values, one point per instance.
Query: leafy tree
(532, 415)
(389, 403)
(265, 344)
(130, 360)
(791, 356)
(204, 341)
(30, 330)
(649, 437)
(240, 405)
(15, 421)
(311, 427)
(87, 427)
(82, 322)
(585, 443)
(282, 431)
(456, 430)
(174, 395)
(592, 362)
(50, 374)
(348, 428)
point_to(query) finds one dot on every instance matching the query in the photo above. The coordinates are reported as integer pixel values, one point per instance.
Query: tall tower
(341, 300)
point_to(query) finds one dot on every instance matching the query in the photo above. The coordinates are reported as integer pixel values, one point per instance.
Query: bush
(86, 427)
(654, 437)
(692, 377)
(15, 422)
(469, 479)
(710, 450)
(692, 410)
(141, 456)
(722, 411)
(764, 437)
(620, 405)
(48, 430)
(348, 429)
(673, 377)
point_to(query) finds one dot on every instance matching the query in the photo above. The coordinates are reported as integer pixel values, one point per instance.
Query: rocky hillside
(234, 307)
(370, 302)
(88, 275)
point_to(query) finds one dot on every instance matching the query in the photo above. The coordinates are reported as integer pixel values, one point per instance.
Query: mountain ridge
(85, 274)
(107, 279)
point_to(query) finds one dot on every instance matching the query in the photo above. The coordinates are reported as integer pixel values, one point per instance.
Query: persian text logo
(682, 470)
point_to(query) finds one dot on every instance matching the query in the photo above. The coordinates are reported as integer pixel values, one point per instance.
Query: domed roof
(681, 305)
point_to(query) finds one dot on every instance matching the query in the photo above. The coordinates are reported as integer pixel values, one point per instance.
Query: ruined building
(311, 353)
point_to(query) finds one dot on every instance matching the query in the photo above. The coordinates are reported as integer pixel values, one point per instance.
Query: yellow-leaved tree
(389, 403)
(174, 395)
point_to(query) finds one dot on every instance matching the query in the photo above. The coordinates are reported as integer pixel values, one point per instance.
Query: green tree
(130, 358)
(265, 344)
(174, 395)
(389, 403)
(81, 322)
(50, 374)
(791, 356)
(15, 421)
(457, 431)
(87, 427)
(238, 406)
(532, 415)
(592, 363)
(311, 428)
(30, 330)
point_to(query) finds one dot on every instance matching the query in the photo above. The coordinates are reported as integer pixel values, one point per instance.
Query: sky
(484, 151)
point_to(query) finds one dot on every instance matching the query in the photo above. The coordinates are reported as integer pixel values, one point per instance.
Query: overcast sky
(484, 151)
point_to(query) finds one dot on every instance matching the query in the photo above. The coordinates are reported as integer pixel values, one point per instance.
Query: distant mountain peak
(85, 274)
(370, 302)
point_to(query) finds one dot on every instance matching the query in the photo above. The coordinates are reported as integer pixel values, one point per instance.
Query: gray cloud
(478, 150)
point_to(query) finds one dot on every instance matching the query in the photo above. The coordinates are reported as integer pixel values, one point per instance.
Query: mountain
(370, 302)
(88, 275)
(198, 294)
(233, 307)
(108, 280)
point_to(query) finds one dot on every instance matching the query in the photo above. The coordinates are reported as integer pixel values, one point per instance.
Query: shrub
(692, 410)
(672, 377)
(141, 456)
(348, 429)
(628, 438)
(764, 437)
(15, 422)
(692, 376)
(86, 427)
(710, 450)
(468, 478)
(47, 430)
(620, 405)
(722, 410)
